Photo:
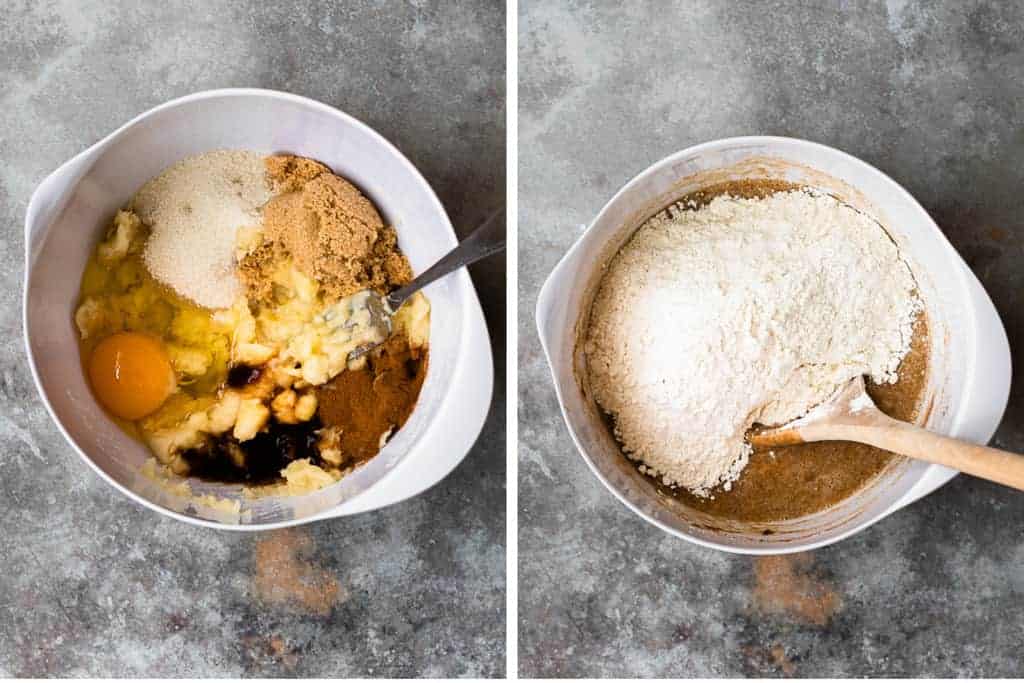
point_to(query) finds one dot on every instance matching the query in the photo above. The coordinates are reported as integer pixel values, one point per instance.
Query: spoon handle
(487, 239)
(892, 435)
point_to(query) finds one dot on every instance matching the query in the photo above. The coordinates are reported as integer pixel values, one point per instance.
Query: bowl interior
(931, 260)
(117, 168)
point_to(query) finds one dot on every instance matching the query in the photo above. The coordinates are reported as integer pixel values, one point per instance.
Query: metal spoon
(851, 415)
(487, 239)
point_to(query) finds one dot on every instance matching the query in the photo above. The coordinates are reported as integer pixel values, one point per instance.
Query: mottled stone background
(91, 583)
(931, 93)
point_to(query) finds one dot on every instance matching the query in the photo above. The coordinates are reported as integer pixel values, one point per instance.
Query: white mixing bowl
(70, 209)
(970, 361)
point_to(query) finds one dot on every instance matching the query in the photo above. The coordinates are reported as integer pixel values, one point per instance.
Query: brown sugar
(254, 270)
(289, 173)
(364, 404)
(332, 231)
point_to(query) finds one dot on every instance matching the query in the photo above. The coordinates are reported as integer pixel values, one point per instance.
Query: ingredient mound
(742, 311)
(193, 210)
(331, 230)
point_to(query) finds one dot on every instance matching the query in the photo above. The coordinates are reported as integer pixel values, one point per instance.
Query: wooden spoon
(851, 415)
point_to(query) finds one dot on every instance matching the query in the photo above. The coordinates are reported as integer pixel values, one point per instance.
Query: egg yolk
(131, 374)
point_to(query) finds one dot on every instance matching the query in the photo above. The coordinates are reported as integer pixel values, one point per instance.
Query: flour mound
(745, 310)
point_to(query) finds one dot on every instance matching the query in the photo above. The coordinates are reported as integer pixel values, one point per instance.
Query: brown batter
(795, 481)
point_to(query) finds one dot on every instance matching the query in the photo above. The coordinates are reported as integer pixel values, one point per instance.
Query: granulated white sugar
(194, 209)
(742, 311)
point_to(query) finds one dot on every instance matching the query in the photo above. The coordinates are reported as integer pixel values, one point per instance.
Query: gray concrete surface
(92, 584)
(930, 92)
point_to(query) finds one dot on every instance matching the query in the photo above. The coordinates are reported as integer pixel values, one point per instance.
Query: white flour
(744, 311)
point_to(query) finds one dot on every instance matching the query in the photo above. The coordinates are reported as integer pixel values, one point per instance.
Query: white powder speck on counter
(193, 209)
(745, 310)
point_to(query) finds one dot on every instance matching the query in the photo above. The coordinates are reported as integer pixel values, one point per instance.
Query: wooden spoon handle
(905, 439)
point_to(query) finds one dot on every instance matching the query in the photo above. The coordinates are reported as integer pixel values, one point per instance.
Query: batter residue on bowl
(746, 303)
(218, 314)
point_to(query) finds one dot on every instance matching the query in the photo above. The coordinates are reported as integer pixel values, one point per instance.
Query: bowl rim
(935, 474)
(36, 225)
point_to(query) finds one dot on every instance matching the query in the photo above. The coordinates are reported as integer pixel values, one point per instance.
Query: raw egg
(131, 374)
